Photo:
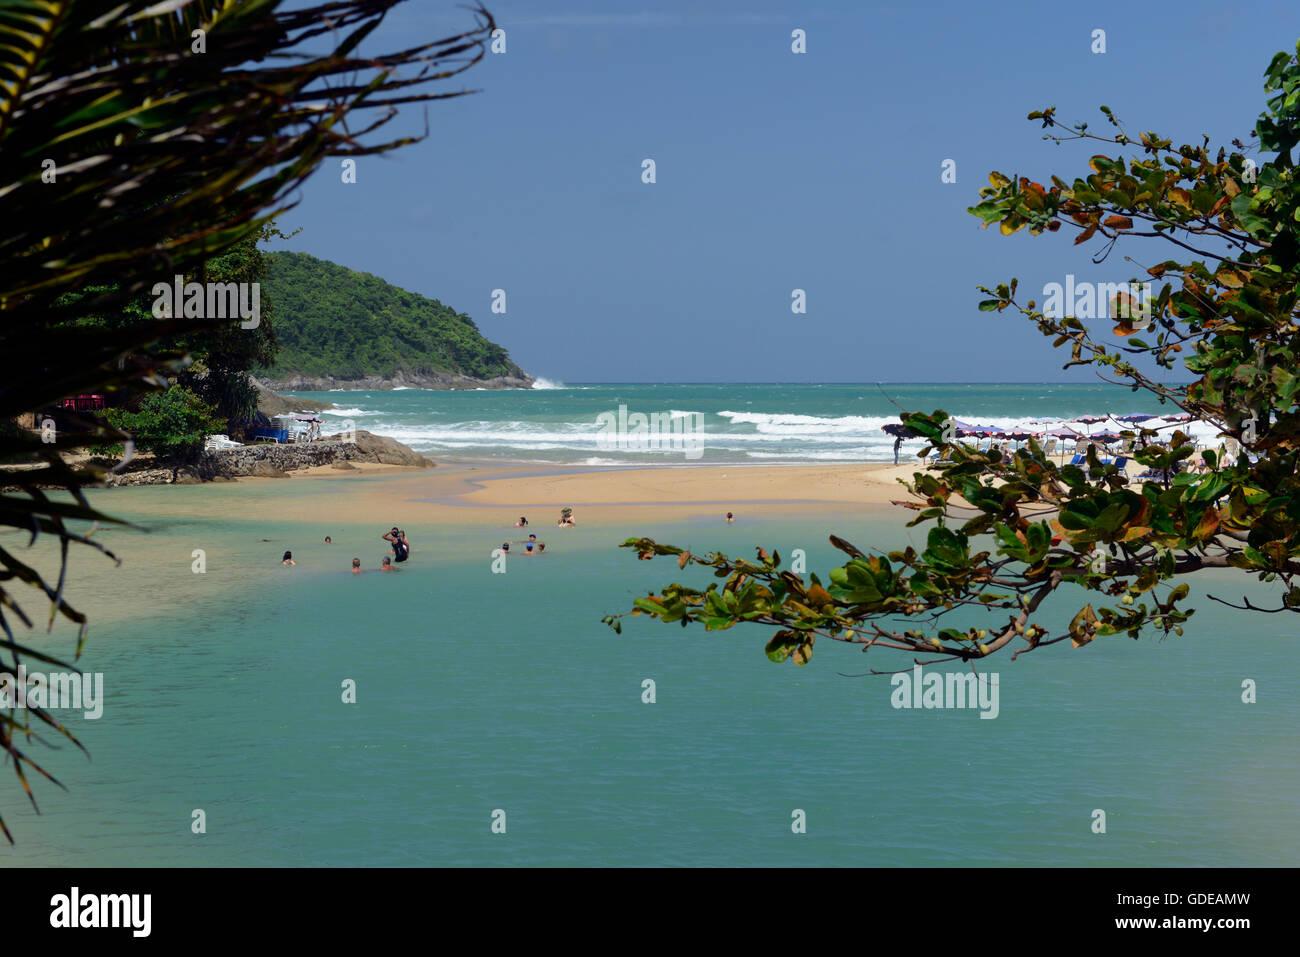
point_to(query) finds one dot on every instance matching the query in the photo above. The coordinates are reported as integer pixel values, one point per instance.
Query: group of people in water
(531, 545)
(566, 519)
(397, 541)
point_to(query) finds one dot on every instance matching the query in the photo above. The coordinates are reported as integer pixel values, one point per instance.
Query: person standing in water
(401, 547)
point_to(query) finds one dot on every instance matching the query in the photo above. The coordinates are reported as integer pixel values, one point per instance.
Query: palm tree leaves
(138, 140)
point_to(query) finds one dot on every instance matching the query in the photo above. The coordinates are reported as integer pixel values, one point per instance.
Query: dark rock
(271, 403)
(269, 460)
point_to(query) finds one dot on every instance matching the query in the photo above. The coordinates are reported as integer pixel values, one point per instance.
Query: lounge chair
(936, 460)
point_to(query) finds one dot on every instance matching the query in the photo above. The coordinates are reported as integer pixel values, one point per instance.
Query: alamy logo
(942, 691)
(638, 432)
(1097, 300)
(54, 691)
(102, 910)
(210, 300)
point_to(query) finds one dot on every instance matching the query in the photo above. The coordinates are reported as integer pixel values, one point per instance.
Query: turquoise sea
(479, 692)
(753, 424)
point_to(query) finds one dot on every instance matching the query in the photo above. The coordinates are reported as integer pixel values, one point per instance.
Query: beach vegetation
(1005, 535)
(129, 153)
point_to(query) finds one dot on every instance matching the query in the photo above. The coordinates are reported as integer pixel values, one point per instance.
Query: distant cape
(341, 329)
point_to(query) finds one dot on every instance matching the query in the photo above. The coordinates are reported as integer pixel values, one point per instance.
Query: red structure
(82, 403)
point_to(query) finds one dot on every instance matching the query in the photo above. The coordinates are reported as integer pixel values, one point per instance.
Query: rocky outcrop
(269, 460)
(380, 383)
(271, 403)
(382, 449)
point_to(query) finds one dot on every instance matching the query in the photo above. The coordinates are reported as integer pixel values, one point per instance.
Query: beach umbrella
(898, 429)
(978, 431)
(1135, 417)
(1090, 420)
(1182, 417)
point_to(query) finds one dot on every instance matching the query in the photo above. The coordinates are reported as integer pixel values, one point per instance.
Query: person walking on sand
(288, 559)
(898, 443)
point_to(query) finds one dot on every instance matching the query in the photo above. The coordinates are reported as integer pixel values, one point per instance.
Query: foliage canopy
(128, 155)
(334, 321)
(1006, 535)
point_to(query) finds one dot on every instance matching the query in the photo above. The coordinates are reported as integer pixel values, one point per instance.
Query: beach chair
(1050, 447)
(1232, 448)
(1079, 459)
(936, 460)
(1161, 475)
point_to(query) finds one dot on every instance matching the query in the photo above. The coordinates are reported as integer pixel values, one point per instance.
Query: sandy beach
(492, 494)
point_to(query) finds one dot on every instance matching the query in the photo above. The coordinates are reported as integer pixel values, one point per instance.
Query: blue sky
(775, 171)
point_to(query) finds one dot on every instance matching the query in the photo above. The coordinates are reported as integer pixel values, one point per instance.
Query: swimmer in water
(387, 565)
(356, 566)
(288, 559)
(730, 518)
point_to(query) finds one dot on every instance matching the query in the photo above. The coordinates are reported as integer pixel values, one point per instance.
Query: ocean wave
(822, 456)
(542, 383)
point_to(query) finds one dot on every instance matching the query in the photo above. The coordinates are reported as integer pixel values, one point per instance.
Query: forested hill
(334, 322)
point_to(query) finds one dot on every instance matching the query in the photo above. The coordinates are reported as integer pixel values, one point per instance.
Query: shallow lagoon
(479, 691)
